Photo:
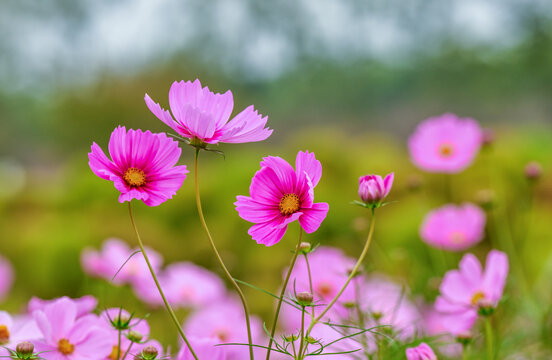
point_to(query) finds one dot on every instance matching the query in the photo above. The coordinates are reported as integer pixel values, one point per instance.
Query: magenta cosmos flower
(454, 228)
(445, 144)
(372, 189)
(465, 290)
(142, 165)
(420, 352)
(280, 195)
(66, 337)
(203, 115)
(6, 277)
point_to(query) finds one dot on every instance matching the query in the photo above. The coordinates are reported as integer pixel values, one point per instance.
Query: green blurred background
(348, 80)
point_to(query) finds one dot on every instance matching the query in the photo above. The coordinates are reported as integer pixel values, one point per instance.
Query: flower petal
(313, 217)
(247, 126)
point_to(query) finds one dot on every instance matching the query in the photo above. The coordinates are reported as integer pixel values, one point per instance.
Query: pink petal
(100, 164)
(283, 171)
(255, 212)
(247, 126)
(266, 187)
(306, 163)
(313, 217)
(496, 271)
(267, 233)
(162, 114)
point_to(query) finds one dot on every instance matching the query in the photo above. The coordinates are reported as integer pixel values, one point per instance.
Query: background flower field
(354, 112)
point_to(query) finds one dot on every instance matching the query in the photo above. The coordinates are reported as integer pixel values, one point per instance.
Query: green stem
(219, 258)
(464, 352)
(310, 284)
(351, 275)
(128, 350)
(302, 335)
(282, 293)
(489, 338)
(119, 342)
(167, 305)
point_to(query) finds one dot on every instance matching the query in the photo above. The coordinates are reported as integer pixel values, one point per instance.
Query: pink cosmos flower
(329, 270)
(372, 189)
(433, 327)
(225, 322)
(204, 347)
(111, 258)
(6, 277)
(142, 165)
(445, 144)
(16, 330)
(201, 114)
(454, 228)
(67, 337)
(420, 352)
(189, 285)
(464, 290)
(280, 195)
(85, 305)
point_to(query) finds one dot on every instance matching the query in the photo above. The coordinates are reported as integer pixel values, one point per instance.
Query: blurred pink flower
(16, 330)
(190, 285)
(84, 305)
(445, 144)
(372, 189)
(202, 114)
(204, 347)
(281, 195)
(420, 352)
(6, 277)
(454, 228)
(112, 256)
(225, 322)
(67, 337)
(329, 270)
(465, 289)
(142, 165)
(444, 341)
(325, 335)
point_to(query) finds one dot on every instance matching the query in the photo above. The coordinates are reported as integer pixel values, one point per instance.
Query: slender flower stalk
(282, 293)
(351, 275)
(310, 283)
(489, 338)
(219, 258)
(167, 305)
(302, 335)
(127, 350)
(119, 341)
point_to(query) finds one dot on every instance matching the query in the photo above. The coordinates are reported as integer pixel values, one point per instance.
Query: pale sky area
(48, 42)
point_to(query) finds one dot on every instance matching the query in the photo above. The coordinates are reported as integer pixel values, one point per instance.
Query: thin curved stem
(119, 342)
(128, 350)
(489, 338)
(282, 293)
(167, 305)
(310, 284)
(302, 336)
(351, 275)
(219, 258)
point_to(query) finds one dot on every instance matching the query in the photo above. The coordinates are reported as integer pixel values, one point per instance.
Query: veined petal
(160, 113)
(306, 163)
(267, 233)
(313, 217)
(100, 164)
(255, 212)
(247, 126)
(119, 147)
(182, 95)
(283, 171)
(218, 105)
(266, 187)
(200, 124)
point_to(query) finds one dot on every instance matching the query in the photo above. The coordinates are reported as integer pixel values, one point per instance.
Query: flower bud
(464, 337)
(487, 137)
(134, 336)
(304, 298)
(305, 248)
(485, 307)
(533, 170)
(150, 352)
(376, 315)
(373, 189)
(24, 350)
(311, 340)
(290, 338)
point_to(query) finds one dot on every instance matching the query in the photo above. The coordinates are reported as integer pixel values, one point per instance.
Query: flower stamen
(134, 177)
(476, 297)
(289, 204)
(65, 347)
(446, 150)
(4, 335)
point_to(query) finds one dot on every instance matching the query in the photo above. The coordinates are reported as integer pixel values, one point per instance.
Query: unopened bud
(305, 248)
(150, 352)
(488, 137)
(304, 298)
(311, 340)
(134, 336)
(24, 349)
(533, 170)
(464, 337)
(376, 315)
(486, 308)
(290, 338)
(349, 304)
(121, 322)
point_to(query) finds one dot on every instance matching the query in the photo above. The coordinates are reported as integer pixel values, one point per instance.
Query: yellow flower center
(4, 335)
(457, 238)
(476, 297)
(113, 355)
(289, 204)
(65, 347)
(446, 150)
(134, 177)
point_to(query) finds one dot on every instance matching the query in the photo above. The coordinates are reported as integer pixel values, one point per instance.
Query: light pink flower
(204, 347)
(189, 285)
(202, 114)
(281, 195)
(85, 305)
(111, 258)
(225, 322)
(463, 290)
(445, 144)
(6, 277)
(372, 189)
(420, 352)
(326, 335)
(16, 330)
(66, 337)
(454, 228)
(329, 270)
(142, 165)
(433, 327)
